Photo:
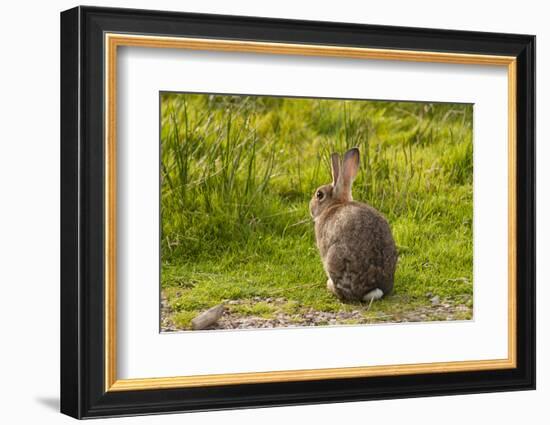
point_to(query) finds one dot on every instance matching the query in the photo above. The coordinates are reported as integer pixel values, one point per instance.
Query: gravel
(439, 310)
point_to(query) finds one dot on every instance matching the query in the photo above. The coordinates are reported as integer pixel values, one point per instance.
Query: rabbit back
(357, 250)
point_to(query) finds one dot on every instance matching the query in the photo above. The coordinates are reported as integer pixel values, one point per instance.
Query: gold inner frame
(113, 41)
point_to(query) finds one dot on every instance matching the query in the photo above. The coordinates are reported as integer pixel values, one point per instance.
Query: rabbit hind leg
(330, 286)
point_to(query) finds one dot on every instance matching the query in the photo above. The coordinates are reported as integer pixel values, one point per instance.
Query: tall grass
(233, 167)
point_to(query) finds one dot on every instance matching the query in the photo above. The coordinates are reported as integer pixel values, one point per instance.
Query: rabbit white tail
(373, 295)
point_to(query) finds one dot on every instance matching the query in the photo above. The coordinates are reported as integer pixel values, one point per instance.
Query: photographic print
(319, 195)
(281, 212)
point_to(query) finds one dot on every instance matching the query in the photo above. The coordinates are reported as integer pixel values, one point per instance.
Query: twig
(370, 303)
(299, 222)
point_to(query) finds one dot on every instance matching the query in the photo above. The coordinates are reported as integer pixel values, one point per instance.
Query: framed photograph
(261, 212)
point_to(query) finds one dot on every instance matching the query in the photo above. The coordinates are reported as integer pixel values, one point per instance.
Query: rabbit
(354, 239)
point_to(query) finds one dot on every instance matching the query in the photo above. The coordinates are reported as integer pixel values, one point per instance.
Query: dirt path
(434, 310)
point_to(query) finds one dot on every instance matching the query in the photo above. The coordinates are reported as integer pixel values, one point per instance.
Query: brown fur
(354, 239)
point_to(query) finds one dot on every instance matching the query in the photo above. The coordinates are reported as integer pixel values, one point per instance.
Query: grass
(237, 174)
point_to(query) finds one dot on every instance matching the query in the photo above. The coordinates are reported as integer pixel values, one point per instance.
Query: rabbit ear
(345, 180)
(335, 163)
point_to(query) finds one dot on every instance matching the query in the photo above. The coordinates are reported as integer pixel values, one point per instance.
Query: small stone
(435, 300)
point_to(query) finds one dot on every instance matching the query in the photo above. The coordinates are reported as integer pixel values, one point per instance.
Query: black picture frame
(83, 392)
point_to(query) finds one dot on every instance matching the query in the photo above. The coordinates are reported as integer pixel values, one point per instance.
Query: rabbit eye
(319, 195)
